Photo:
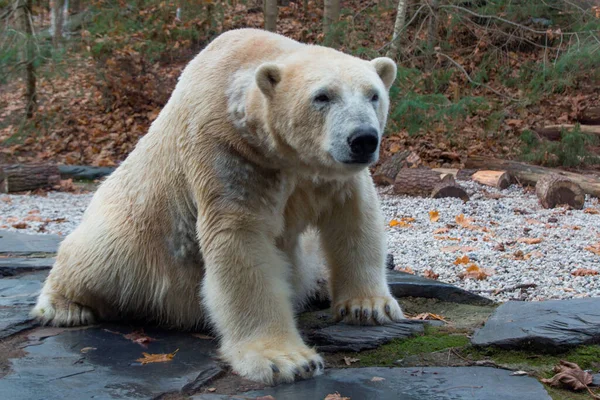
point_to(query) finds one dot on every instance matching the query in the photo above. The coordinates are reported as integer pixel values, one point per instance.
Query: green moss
(432, 341)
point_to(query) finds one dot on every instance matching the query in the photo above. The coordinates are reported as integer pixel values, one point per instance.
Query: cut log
(465, 174)
(446, 189)
(20, 178)
(527, 174)
(556, 190)
(554, 132)
(590, 116)
(385, 174)
(497, 179)
(445, 171)
(418, 181)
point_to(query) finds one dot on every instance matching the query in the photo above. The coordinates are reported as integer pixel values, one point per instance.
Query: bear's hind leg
(55, 309)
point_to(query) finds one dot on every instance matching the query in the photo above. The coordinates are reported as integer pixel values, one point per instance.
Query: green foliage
(570, 151)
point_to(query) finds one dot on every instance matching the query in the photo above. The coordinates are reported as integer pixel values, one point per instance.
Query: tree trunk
(432, 28)
(497, 179)
(24, 20)
(449, 189)
(590, 116)
(556, 190)
(20, 178)
(331, 13)
(57, 21)
(554, 132)
(527, 174)
(419, 181)
(271, 15)
(398, 28)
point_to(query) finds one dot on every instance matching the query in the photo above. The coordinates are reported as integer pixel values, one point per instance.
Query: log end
(449, 190)
(555, 190)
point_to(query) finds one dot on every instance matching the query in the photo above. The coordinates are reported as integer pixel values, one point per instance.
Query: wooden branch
(556, 190)
(446, 171)
(554, 132)
(527, 174)
(385, 174)
(419, 181)
(20, 178)
(497, 179)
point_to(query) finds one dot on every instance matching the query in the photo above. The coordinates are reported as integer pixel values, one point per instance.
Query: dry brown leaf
(595, 248)
(465, 222)
(156, 358)
(20, 225)
(429, 316)
(335, 396)
(434, 216)
(349, 360)
(533, 254)
(404, 222)
(462, 260)
(473, 271)
(590, 210)
(530, 240)
(138, 337)
(408, 270)
(430, 274)
(6, 199)
(453, 249)
(446, 238)
(570, 376)
(441, 230)
(584, 272)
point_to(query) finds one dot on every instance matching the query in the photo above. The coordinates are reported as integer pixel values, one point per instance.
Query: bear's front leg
(247, 294)
(353, 240)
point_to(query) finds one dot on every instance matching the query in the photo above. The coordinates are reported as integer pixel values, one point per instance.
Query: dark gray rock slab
(17, 296)
(342, 337)
(23, 244)
(431, 383)
(544, 326)
(14, 266)
(409, 285)
(100, 363)
(84, 172)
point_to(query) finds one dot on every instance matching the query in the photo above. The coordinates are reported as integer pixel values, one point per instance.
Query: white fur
(218, 214)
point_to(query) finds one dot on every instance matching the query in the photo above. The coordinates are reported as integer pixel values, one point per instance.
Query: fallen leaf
(350, 360)
(570, 376)
(335, 396)
(429, 316)
(465, 222)
(584, 272)
(20, 225)
(403, 222)
(408, 270)
(533, 254)
(453, 249)
(591, 211)
(434, 216)
(473, 271)
(530, 240)
(156, 358)
(377, 379)
(462, 260)
(6, 199)
(595, 248)
(441, 230)
(430, 274)
(138, 337)
(446, 238)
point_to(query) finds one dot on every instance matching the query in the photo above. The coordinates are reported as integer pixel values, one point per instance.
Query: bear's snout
(363, 143)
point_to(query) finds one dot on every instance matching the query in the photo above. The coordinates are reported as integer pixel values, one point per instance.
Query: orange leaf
(462, 260)
(473, 271)
(530, 240)
(408, 270)
(430, 274)
(156, 358)
(595, 248)
(591, 211)
(434, 216)
(584, 272)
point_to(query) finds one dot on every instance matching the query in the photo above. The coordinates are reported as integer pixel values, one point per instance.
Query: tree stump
(385, 174)
(20, 178)
(419, 181)
(555, 190)
(497, 179)
(447, 189)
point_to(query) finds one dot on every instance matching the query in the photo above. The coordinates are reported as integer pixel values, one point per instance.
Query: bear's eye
(322, 98)
(375, 98)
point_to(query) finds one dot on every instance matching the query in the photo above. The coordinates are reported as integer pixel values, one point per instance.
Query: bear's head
(325, 109)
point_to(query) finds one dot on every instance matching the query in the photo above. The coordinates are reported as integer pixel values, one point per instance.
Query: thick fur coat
(262, 148)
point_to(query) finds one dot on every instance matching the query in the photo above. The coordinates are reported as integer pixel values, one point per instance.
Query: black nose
(363, 141)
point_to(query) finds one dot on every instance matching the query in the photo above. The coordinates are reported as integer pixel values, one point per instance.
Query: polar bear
(264, 144)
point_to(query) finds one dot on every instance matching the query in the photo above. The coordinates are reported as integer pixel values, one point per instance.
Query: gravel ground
(494, 238)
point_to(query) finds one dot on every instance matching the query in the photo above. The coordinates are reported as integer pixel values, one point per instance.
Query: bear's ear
(386, 69)
(268, 75)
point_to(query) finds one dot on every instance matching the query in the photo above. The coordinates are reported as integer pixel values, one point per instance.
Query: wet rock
(84, 172)
(432, 383)
(99, 362)
(17, 297)
(547, 326)
(24, 244)
(14, 266)
(403, 284)
(342, 337)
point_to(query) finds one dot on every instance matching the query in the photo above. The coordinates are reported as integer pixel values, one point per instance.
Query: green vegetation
(570, 151)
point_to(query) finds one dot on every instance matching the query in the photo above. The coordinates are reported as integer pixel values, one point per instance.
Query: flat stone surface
(100, 363)
(17, 296)
(544, 326)
(342, 337)
(431, 383)
(403, 284)
(13, 266)
(84, 172)
(24, 244)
